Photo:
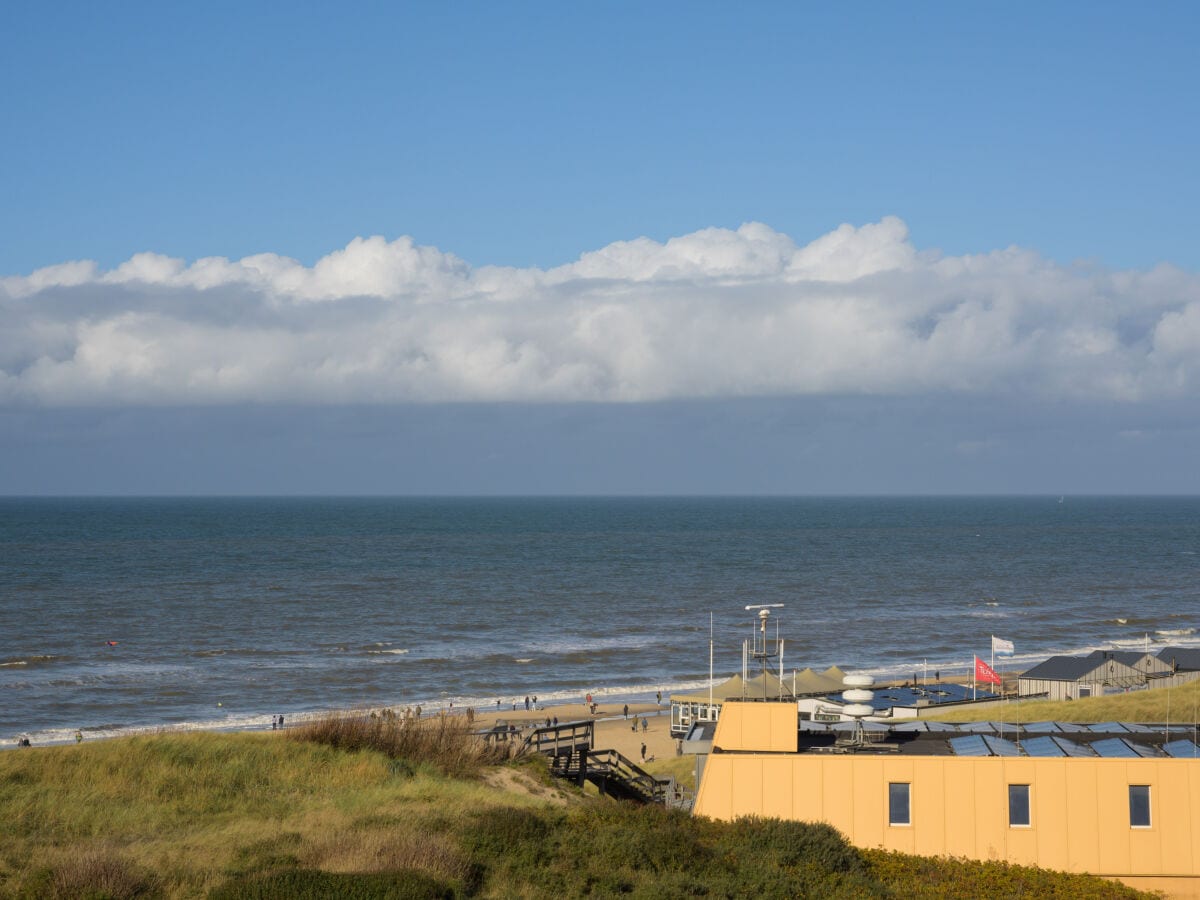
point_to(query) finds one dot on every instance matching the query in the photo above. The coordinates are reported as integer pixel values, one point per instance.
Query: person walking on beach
(633, 727)
(645, 725)
(626, 710)
(643, 751)
(78, 737)
(659, 697)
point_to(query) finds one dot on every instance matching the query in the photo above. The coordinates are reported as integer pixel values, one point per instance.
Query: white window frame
(907, 823)
(1028, 823)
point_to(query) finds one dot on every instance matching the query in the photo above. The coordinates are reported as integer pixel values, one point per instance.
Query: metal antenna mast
(760, 646)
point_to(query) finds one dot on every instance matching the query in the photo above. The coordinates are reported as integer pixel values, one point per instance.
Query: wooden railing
(569, 747)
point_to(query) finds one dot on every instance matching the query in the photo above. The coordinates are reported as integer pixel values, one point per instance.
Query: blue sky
(1019, 272)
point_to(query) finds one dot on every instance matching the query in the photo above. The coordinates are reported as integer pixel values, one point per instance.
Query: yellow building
(1135, 819)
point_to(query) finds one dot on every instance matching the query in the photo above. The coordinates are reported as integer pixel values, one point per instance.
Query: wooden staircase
(569, 748)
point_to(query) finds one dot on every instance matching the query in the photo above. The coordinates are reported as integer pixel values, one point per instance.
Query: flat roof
(1128, 740)
(931, 694)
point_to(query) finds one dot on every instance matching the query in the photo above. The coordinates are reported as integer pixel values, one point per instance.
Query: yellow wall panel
(991, 808)
(758, 726)
(929, 806)
(869, 797)
(808, 794)
(1048, 802)
(1020, 842)
(1178, 841)
(1146, 845)
(960, 810)
(714, 795)
(837, 783)
(747, 797)
(1083, 851)
(777, 787)
(1112, 806)
(899, 837)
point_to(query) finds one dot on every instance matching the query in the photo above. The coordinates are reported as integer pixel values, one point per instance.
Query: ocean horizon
(121, 614)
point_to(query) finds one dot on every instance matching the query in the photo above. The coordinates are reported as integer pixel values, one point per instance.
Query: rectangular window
(1018, 804)
(1139, 806)
(898, 813)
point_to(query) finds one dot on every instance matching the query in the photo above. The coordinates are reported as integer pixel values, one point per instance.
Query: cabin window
(1018, 805)
(1139, 806)
(898, 796)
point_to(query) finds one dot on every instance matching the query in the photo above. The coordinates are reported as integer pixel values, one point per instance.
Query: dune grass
(321, 814)
(1177, 705)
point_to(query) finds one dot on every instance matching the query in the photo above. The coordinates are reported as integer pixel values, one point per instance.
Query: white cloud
(716, 313)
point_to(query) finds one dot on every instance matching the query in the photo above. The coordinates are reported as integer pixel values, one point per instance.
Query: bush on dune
(447, 743)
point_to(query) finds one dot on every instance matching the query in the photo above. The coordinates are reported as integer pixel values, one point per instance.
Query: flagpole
(973, 674)
(710, 666)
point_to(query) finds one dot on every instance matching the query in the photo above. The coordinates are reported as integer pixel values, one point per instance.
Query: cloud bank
(714, 314)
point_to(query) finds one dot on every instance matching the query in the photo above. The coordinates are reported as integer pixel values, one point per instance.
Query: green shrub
(514, 838)
(788, 844)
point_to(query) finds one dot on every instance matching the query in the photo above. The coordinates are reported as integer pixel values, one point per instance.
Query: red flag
(984, 672)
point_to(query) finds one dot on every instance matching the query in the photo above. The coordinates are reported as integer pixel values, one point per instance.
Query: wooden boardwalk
(570, 747)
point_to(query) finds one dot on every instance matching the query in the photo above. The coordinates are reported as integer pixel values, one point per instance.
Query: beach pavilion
(1103, 672)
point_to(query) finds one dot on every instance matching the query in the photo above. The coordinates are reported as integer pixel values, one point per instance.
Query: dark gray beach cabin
(1073, 677)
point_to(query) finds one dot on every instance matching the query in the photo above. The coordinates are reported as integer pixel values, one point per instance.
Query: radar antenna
(760, 647)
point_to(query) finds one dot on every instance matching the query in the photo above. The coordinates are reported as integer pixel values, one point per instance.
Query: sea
(141, 614)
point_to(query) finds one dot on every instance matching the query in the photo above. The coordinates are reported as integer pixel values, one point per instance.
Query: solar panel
(1114, 748)
(1042, 727)
(1001, 747)
(911, 726)
(1073, 749)
(1071, 727)
(1181, 749)
(941, 726)
(976, 726)
(1143, 749)
(808, 725)
(971, 745)
(1139, 729)
(1004, 729)
(1042, 746)
(1108, 728)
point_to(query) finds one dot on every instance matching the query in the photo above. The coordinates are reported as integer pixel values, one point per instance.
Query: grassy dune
(1178, 705)
(353, 809)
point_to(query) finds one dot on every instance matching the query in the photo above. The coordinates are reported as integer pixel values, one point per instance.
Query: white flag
(1000, 645)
